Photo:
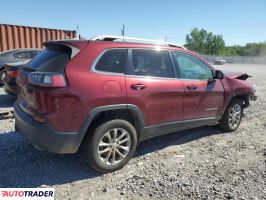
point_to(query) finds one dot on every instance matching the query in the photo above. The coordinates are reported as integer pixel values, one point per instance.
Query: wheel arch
(243, 97)
(127, 112)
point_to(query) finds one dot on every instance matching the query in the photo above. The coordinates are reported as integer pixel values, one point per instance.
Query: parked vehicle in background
(11, 73)
(219, 61)
(107, 94)
(15, 55)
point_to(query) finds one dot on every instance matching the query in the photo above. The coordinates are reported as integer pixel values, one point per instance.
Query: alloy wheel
(235, 116)
(114, 146)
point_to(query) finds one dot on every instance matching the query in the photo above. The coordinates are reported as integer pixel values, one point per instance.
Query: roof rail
(133, 39)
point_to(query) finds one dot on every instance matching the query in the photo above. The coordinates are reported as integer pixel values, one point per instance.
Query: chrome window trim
(151, 77)
(187, 79)
(93, 69)
(138, 76)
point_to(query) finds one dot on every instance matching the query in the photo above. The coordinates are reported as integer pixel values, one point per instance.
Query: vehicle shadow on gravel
(6, 100)
(21, 165)
(178, 138)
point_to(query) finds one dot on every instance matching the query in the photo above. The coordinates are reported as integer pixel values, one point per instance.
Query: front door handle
(191, 87)
(138, 86)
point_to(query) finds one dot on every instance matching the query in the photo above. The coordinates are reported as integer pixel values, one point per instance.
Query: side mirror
(218, 74)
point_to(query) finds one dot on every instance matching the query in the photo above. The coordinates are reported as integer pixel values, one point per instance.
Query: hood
(236, 75)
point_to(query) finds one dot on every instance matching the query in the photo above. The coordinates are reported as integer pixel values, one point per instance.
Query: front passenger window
(191, 67)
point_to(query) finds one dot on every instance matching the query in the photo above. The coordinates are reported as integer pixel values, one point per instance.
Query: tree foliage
(250, 49)
(205, 42)
(208, 43)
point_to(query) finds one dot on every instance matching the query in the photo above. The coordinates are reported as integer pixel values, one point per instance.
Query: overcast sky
(238, 21)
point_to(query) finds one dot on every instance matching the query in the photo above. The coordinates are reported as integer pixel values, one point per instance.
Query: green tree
(205, 42)
(250, 49)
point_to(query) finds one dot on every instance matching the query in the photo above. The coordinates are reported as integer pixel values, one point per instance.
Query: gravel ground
(203, 163)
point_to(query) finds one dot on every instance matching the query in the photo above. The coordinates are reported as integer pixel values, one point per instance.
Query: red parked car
(11, 73)
(107, 94)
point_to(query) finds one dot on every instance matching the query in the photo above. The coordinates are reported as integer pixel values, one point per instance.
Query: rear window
(51, 59)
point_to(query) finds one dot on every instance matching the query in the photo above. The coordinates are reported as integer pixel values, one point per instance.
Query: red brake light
(58, 80)
(47, 79)
(13, 74)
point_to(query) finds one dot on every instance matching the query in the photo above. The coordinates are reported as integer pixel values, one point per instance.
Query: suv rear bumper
(43, 135)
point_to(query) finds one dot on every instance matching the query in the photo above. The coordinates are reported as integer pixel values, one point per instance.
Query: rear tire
(111, 145)
(232, 116)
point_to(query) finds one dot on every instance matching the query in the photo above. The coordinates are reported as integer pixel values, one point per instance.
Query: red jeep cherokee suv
(109, 93)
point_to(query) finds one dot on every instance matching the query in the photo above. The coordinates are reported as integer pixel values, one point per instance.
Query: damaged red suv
(107, 94)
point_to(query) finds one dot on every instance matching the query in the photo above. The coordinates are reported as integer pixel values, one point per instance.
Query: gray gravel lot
(203, 163)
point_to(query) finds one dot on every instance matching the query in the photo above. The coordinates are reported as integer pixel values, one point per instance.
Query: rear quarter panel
(93, 89)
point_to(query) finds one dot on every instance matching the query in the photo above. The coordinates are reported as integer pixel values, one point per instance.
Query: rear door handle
(191, 87)
(138, 86)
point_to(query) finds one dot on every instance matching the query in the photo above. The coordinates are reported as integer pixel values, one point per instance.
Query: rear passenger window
(152, 63)
(113, 61)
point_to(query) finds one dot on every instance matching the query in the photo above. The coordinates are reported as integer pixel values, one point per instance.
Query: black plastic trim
(175, 69)
(82, 132)
(43, 135)
(130, 68)
(153, 131)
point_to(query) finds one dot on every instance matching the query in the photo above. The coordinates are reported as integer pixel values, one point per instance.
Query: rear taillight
(47, 79)
(13, 74)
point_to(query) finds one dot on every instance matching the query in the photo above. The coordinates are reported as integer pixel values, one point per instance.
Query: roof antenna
(123, 32)
(79, 36)
(165, 39)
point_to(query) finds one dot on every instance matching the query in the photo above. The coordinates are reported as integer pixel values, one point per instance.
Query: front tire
(233, 115)
(111, 146)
